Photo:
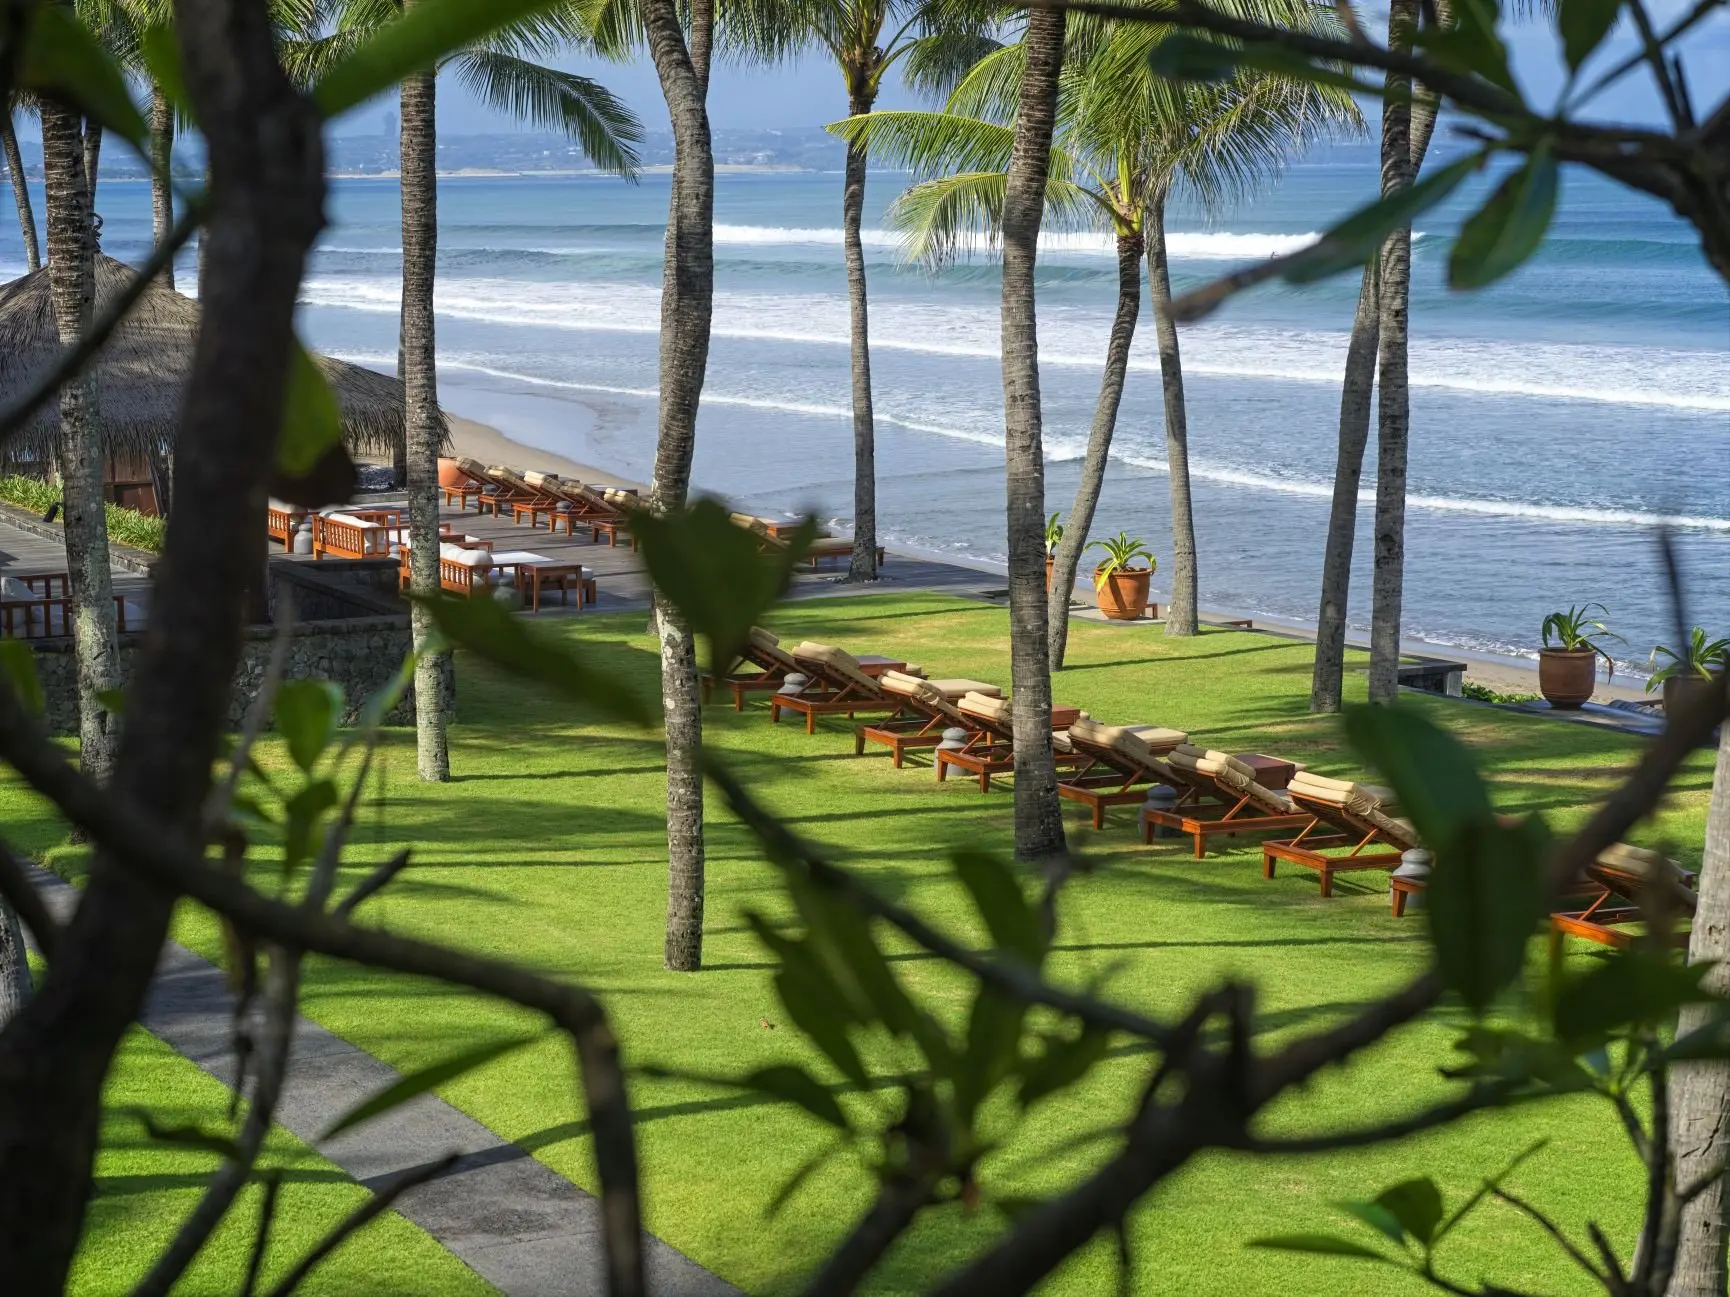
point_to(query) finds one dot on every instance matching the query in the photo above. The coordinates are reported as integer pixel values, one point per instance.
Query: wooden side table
(1270, 772)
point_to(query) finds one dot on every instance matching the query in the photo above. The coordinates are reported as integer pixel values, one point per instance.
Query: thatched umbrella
(141, 373)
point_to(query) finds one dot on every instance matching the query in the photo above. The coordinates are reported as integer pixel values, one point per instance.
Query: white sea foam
(1622, 375)
(1197, 245)
(1063, 449)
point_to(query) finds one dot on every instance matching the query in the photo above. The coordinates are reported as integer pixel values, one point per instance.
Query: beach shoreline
(1501, 673)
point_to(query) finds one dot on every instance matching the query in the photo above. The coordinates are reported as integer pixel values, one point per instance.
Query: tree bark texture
(161, 170)
(1327, 683)
(14, 964)
(1068, 555)
(1328, 679)
(92, 169)
(71, 278)
(1180, 613)
(1038, 817)
(1393, 402)
(21, 196)
(687, 297)
(265, 151)
(864, 563)
(423, 422)
(1700, 1092)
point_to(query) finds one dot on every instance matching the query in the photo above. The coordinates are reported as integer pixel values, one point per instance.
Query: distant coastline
(655, 169)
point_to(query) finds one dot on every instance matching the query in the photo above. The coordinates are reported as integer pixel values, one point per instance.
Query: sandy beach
(1502, 674)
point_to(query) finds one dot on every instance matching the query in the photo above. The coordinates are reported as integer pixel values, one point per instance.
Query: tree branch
(16, 887)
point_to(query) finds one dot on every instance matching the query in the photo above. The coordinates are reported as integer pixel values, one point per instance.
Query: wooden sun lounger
(1118, 762)
(1616, 884)
(763, 651)
(280, 520)
(769, 536)
(339, 535)
(927, 710)
(840, 684)
(476, 482)
(455, 576)
(1365, 836)
(1219, 794)
(514, 493)
(50, 602)
(990, 749)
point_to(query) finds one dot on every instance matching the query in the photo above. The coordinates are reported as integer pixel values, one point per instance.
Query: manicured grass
(548, 847)
(145, 1189)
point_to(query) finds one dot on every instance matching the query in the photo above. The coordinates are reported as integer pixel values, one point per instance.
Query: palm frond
(582, 108)
(934, 63)
(949, 217)
(762, 32)
(929, 144)
(614, 27)
(992, 86)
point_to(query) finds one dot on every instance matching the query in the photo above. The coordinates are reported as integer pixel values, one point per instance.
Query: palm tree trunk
(864, 563)
(21, 195)
(1038, 817)
(1700, 1092)
(92, 166)
(161, 164)
(1068, 555)
(423, 422)
(1328, 680)
(1393, 406)
(14, 964)
(687, 298)
(1180, 614)
(71, 278)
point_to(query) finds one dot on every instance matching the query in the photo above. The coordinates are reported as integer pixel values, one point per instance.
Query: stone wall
(362, 654)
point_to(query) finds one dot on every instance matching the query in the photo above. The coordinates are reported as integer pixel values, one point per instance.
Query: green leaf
(840, 936)
(993, 1046)
(307, 712)
(1432, 773)
(18, 669)
(112, 700)
(427, 1078)
(311, 418)
(1583, 25)
(1357, 238)
(484, 627)
(63, 58)
(1504, 1054)
(1631, 986)
(189, 1136)
(161, 51)
(796, 1181)
(1188, 56)
(1379, 1218)
(719, 575)
(797, 1086)
(1063, 1063)
(303, 812)
(813, 1012)
(1471, 44)
(1014, 1208)
(1507, 229)
(1013, 923)
(1320, 1244)
(1416, 1205)
(414, 43)
(1485, 899)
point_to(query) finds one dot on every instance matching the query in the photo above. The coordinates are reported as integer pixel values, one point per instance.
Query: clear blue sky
(809, 93)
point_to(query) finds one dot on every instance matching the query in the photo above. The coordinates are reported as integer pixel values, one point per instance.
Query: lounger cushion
(762, 638)
(837, 663)
(352, 521)
(1357, 798)
(987, 707)
(954, 689)
(12, 588)
(467, 557)
(513, 557)
(1639, 861)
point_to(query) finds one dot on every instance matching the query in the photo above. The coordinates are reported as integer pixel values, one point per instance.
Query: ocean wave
(1063, 449)
(1198, 245)
(1072, 336)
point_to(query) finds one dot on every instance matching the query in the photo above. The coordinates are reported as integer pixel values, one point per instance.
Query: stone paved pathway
(521, 1226)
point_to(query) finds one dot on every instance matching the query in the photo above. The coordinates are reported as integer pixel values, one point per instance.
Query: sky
(809, 93)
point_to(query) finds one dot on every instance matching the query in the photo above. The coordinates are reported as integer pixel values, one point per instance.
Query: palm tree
(1328, 679)
(500, 71)
(1126, 139)
(938, 42)
(71, 277)
(20, 187)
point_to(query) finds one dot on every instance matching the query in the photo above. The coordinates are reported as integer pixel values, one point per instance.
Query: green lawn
(548, 847)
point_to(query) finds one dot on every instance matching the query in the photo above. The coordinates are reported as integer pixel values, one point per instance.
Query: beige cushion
(762, 638)
(1357, 798)
(1639, 861)
(467, 557)
(954, 689)
(541, 481)
(473, 467)
(988, 707)
(836, 663)
(1210, 761)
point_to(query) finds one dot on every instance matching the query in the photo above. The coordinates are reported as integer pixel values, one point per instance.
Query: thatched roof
(142, 372)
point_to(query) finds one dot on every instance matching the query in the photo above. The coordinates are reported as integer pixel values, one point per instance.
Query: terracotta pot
(1566, 677)
(1123, 597)
(1049, 561)
(450, 474)
(1681, 691)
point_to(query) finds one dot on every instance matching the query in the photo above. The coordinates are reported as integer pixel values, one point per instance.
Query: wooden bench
(35, 618)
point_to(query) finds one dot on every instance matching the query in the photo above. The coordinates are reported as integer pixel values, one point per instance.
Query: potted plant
(1687, 669)
(1053, 538)
(1120, 585)
(1568, 662)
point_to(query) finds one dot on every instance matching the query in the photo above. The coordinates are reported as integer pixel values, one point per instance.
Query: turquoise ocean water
(1556, 417)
